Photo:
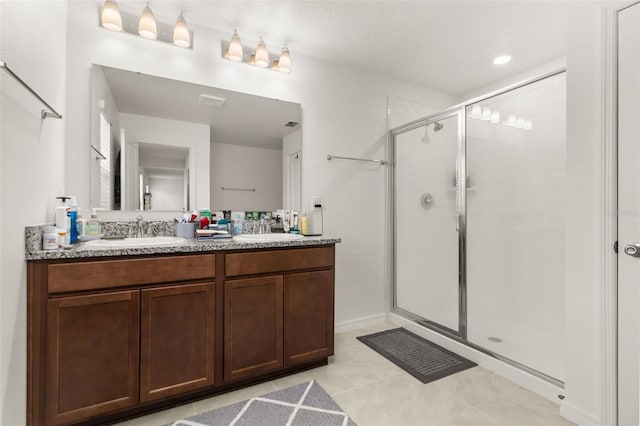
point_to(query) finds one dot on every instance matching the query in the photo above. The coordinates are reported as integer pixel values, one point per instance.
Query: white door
(628, 215)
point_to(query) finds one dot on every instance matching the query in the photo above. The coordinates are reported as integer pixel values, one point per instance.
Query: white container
(50, 238)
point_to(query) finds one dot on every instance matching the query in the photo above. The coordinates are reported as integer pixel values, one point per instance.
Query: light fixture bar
(165, 29)
(247, 51)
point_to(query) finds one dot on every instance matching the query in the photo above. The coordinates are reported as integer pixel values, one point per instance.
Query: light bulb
(476, 112)
(235, 48)
(495, 117)
(275, 65)
(252, 59)
(181, 36)
(262, 55)
(147, 24)
(111, 18)
(284, 62)
(486, 114)
(511, 121)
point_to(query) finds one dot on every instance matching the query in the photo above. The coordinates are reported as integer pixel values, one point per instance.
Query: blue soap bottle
(73, 217)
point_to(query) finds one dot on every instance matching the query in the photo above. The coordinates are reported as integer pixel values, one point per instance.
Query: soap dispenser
(92, 228)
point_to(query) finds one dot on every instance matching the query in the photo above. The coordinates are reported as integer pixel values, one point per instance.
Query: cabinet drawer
(260, 262)
(65, 277)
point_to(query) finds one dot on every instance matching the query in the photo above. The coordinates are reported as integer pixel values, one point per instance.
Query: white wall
(101, 94)
(246, 167)
(291, 185)
(344, 113)
(32, 169)
(167, 193)
(140, 128)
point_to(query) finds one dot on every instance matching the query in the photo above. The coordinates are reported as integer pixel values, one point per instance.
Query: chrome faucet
(140, 225)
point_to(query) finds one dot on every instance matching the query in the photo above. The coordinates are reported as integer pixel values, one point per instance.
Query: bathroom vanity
(121, 332)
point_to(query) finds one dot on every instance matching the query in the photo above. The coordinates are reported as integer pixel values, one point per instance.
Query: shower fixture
(437, 126)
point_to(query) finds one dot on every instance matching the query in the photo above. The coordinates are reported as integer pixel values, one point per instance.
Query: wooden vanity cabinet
(252, 327)
(116, 337)
(176, 340)
(308, 316)
(92, 355)
(277, 320)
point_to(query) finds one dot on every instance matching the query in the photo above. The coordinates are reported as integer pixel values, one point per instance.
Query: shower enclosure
(477, 195)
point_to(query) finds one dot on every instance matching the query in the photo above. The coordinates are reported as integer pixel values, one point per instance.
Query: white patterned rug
(303, 404)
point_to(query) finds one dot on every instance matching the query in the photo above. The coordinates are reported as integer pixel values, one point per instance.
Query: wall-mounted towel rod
(238, 189)
(330, 157)
(102, 156)
(51, 113)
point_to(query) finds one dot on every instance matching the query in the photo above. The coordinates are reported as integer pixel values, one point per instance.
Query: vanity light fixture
(485, 113)
(235, 48)
(147, 27)
(111, 18)
(181, 34)
(502, 59)
(262, 54)
(284, 62)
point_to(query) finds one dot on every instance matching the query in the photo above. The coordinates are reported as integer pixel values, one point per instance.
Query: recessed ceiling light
(502, 59)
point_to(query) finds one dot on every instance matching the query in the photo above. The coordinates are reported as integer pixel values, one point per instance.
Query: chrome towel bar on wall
(367, 160)
(225, 188)
(51, 112)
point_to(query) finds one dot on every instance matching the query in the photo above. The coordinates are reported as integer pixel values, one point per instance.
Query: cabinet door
(252, 327)
(176, 343)
(308, 317)
(92, 355)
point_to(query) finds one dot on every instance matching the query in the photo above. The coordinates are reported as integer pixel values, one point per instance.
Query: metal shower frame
(459, 111)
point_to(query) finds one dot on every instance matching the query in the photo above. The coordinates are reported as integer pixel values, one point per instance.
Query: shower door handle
(632, 249)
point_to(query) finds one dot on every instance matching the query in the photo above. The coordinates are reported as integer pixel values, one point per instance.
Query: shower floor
(524, 343)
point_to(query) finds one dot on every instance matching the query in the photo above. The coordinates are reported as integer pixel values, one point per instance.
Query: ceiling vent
(211, 101)
(291, 124)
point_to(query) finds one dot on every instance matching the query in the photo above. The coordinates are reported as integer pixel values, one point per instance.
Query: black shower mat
(419, 357)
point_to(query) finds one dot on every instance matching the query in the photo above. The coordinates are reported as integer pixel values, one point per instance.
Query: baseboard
(366, 321)
(578, 415)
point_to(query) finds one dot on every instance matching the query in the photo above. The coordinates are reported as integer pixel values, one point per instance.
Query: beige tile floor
(374, 391)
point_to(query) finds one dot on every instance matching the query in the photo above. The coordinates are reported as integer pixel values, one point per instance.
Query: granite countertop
(81, 250)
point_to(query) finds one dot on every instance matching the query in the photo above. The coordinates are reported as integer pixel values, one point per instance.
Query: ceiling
(445, 45)
(243, 119)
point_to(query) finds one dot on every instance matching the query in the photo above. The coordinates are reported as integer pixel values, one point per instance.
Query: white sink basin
(266, 238)
(136, 242)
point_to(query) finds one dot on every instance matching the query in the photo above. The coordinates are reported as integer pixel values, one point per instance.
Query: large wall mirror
(168, 145)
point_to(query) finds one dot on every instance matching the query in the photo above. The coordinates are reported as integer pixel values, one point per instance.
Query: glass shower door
(427, 206)
(516, 162)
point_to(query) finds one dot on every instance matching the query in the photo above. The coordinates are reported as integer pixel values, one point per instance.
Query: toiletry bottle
(49, 238)
(72, 230)
(92, 226)
(304, 224)
(61, 212)
(80, 224)
(294, 224)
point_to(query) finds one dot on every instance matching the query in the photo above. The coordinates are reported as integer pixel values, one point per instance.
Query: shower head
(437, 126)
